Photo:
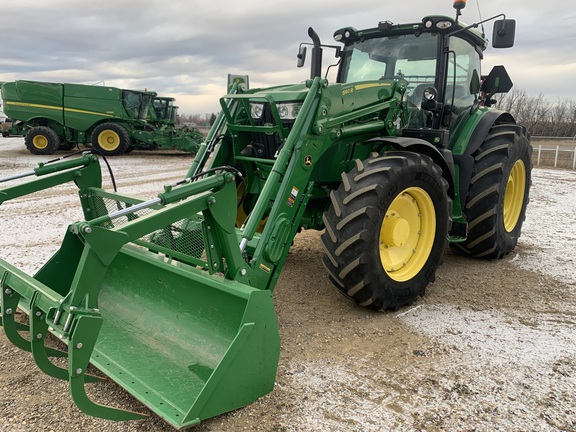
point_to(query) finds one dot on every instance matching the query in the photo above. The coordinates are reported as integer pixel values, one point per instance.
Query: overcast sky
(186, 48)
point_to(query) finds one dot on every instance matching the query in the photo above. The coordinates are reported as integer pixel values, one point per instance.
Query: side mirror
(503, 33)
(301, 56)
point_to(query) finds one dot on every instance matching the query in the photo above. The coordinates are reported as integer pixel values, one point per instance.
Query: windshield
(161, 108)
(136, 103)
(409, 57)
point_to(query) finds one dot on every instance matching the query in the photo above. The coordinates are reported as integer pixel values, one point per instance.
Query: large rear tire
(110, 139)
(41, 140)
(498, 194)
(386, 229)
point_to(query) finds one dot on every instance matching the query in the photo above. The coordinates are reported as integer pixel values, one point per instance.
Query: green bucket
(187, 345)
(135, 290)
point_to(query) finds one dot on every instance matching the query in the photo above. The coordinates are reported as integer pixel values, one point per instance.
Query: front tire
(110, 139)
(41, 140)
(498, 194)
(386, 229)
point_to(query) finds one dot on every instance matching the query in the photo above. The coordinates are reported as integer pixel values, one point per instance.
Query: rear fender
(467, 138)
(476, 128)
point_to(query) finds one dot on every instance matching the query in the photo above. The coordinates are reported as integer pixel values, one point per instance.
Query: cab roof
(432, 23)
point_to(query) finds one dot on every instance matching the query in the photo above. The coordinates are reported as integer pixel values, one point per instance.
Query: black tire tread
(51, 136)
(504, 145)
(348, 234)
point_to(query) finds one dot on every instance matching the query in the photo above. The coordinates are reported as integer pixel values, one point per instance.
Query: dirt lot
(492, 345)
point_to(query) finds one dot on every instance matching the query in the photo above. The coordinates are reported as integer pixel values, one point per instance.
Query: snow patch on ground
(550, 226)
(494, 336)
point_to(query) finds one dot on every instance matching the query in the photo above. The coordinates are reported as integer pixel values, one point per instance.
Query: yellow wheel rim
(40, 142)
(109, 140)
(514, 195)
(407, 234)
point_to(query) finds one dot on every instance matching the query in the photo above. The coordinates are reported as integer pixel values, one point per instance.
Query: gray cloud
(187, 48)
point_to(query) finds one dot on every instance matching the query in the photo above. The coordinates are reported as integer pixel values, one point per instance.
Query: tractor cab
(439, 58)
(163, 110)
(137, 103)
(439, 62)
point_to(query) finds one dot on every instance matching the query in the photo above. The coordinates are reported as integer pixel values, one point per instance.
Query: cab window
(463, 68)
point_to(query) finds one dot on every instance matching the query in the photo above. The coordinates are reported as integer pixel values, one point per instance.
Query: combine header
(400, 156)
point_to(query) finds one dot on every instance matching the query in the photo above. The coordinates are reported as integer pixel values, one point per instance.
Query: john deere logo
(308, 160)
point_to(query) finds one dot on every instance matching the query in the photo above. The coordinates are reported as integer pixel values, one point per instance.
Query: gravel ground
(492, 345)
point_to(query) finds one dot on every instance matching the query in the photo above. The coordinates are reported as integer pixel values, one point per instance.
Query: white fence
(547, 153)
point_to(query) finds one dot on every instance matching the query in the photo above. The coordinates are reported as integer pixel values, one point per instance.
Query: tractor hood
(283, 93)
(340, 99)
(337, 99)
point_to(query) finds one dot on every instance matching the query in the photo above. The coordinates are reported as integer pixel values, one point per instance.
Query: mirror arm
(475, 25)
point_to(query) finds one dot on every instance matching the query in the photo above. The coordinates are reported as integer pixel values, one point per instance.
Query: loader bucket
(142, 290)
(186, 345)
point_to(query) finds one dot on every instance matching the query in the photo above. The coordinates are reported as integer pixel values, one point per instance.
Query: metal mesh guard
(182, 239)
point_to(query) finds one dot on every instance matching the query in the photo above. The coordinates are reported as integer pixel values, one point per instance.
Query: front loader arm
(284, 192)
(84, 171)
(330, 117)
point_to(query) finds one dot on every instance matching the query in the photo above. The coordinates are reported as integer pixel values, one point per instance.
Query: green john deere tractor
(400, 156)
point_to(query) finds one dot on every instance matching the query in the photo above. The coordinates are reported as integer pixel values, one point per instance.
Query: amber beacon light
(459, 5)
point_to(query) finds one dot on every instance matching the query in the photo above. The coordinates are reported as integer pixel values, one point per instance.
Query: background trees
(539, 115)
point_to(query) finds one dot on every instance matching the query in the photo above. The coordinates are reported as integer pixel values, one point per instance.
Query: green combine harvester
(114, 121)
(399, 157)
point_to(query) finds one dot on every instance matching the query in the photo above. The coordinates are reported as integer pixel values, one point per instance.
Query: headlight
(430, 93)
(256, 110)
(288, 111)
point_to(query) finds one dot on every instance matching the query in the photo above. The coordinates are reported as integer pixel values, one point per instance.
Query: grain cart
(171, 297)
(54, 116)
